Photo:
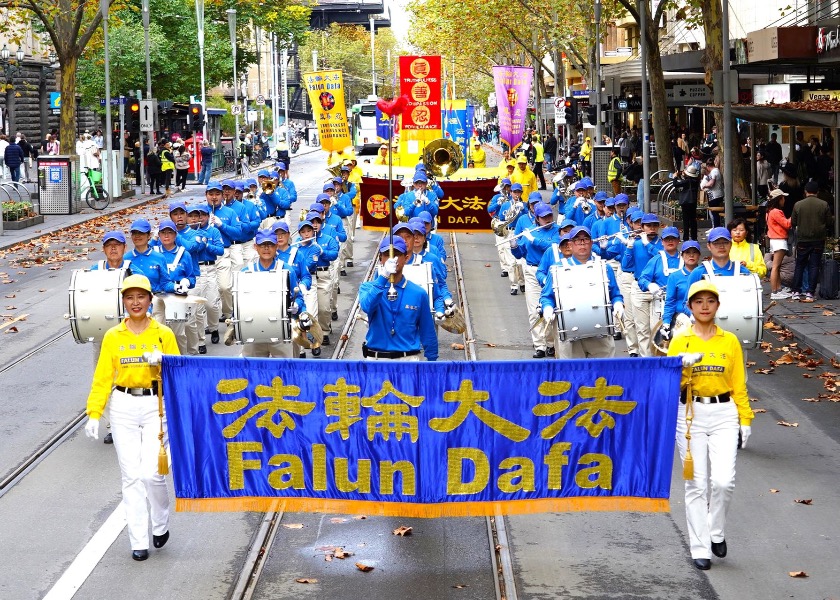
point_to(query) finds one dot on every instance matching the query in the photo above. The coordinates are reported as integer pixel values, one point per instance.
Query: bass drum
(740, 309)
(95, 303)
(421, 274)
(582, 297)
(260, 307)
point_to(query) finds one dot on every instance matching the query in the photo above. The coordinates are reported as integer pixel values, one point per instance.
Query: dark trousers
(808, 255)
(538, 171)
(689, 215)
(15, 173)
(166, 179)
(717, 218)
(181, 178)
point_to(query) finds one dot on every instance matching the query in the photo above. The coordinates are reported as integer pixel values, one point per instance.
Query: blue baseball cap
(280, 165)
(610, 202)
(670, 232)
(213, 185)
(580, 185)
(173, 206)
(228, 183)
(316, 207)
(719, 233)
(418, 224)
(579, 229)
(542, 209)
(167, 224)
(345, 168)
(280, 226)
(622, 199)
(534, 199)
(274, 174)
(200, 207)
(601, 196)
(265, 235)
(328, 186)
(141, 225)
(263, 173)
(588, 182)
(420, 167)
(649, 219)
(337, 180)
(305, 223)
(516, 187)
(426, 216)
(398, 243)
(420, 176)
(506, 181)
(323, 198)
(312, 215)
(400, 227)
(567, 223)
(113, 235)
(689, 245)
(534, 195)
(239, 186)
(250, 182)
(565, 239)
(569, 172)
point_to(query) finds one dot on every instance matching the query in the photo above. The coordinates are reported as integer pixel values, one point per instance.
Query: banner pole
(392, 291)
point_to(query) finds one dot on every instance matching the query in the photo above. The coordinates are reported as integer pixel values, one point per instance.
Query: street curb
(802, 338)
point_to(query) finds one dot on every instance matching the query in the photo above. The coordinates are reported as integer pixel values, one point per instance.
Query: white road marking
(86, 561)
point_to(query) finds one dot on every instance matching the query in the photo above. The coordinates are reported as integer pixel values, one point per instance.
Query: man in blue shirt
(436, 242)
(676, 312)
(324, 282)
(143, 260)
(182, 273)
(417, 199)
(208, 247)
(227, 222)
(396, 328)
(638, 252)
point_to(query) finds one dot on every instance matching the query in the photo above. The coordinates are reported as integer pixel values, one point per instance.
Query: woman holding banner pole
(717, 413)
(127, 378)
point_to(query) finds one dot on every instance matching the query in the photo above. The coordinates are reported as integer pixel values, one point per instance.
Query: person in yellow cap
(478, 156)
(714, 392)
(124, 381)
(524, 175)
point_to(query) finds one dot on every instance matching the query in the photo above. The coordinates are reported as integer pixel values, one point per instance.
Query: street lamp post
(231, 13)
(199, 17)
(10, 69)
(145, 6)
(42, 91)
(107, 164)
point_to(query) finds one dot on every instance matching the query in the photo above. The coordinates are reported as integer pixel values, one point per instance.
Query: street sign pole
(107, 167)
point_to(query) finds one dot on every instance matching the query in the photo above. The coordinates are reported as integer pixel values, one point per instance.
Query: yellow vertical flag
(326, 93)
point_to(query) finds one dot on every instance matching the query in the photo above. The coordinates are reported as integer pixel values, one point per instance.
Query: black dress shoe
(343, 273)
(522, 287)
(634, 355)
(139, 554)
(108, 439)
(704, 564)
(222, 319)
(334, 316)
(719, 549)
(617, 336)
(214, 336)
(326, 341)
(349, 263)
(504, 273)
(159, 541)
(550, 351)
(538, 354)
(316, 352)
(202, 349)
(514, 291)
(301, 354)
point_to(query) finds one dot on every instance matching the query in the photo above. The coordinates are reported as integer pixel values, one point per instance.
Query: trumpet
(399, 212)
(526, 232)
(268, 187)
(303, 212)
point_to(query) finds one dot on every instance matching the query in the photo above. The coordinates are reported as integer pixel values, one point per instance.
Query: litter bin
(58, 185)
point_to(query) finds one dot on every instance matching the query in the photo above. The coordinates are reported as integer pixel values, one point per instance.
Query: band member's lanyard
(665, 269)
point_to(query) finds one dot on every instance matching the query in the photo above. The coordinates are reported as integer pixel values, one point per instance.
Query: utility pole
(597, 74)
(728, 179)
(107, 163)
(372, 56)
(645, 128)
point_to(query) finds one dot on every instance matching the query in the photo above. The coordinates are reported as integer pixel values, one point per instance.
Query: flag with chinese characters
(420, 81)
(326, 94)
(513, 89)
(425, 439)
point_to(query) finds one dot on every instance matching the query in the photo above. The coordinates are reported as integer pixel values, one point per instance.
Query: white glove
(305, 321)
(450, 306)
(514, 243)
(214, 220)
(154, 357)
(654, 288)
(92, 428)
(645, 240)
(691, 358)
(630, 243)
(439, 316)
(603, 244)
(183, 286)
(293, 308)
(390, 266)
(746, 431)
(665, 332)
(618, 311)
(548, 314)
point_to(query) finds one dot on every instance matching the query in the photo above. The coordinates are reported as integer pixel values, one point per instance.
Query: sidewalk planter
(22, 223)
(15, 212)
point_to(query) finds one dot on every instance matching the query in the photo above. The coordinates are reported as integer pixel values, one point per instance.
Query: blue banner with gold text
(425, 439)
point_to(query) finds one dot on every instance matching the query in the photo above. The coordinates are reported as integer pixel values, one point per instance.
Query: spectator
(29, 153)
(207, 152)
(778, 226)
(712, 183)
(550, 148)
(804, 158)
(53, 145)
(4, 142)
(773, 151)
(791, 186)
(763, 172)
(687, 184)
(679, 153)
(153, 164)
(825, 164)
(810, 217)
(13, 157)
(167, 165)
(625, 147)
(98, 139)
(182, 165)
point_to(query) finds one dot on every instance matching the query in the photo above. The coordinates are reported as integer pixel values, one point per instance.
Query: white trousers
(324, 288)
(714, 444)
(335, 270)
(346, 252)
(229, 263)
(206, 315)
(600, 347)
(249, 252)
(644, 317)
(135, 424)
(413, 358)
(626, 282)
(506, 259)
(268, 350)
(310, 298)
(541, 335)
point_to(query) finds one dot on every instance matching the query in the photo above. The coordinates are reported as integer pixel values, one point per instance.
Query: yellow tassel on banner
(163, 460)
(688, 461)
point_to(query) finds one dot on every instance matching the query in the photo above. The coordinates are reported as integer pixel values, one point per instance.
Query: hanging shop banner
(420, 82)
(462, 208)
(427, 439)
(326, 94)
(513, 89)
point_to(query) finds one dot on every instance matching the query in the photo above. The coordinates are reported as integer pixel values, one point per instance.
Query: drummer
(714, 392)
(208, 247)
(719, 243)
(677, 290)
(596, 347)
(183, 273)
(397, 328)
(124, 382)
(267, 261)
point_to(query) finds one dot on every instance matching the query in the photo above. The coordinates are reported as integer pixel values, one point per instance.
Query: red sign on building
(420, 82)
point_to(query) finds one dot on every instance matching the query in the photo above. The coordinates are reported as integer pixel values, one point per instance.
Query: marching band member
(396, 328)
(290, 256)
(714, 391)
(579, 207)
(268, 261)
(277, 202)
(637, 254)
(227, 222)
(347, 208)
(628, 223)
(417, 199)
(719, 243)
(334, 226)
(524, 175)
(123, 382)
(600, 347)
(285, 183)
(421, 253)
(206, 252)
(677, 290)
(436, 242)
(558, 198)
(433, 186)
(743, 251)
(178, 215)
(309, 251)
(526, 220)
(602, 229)
(329, 252)
(654, 277)
(599, 213)
(406, 231)
(499, 207)
(146, 262)
(534, 245)
(182, 273)
(242, 249)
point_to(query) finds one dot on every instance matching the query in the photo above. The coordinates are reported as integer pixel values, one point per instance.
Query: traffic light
(133, 117)
(196, 117)
(592, 115)
(570, 106)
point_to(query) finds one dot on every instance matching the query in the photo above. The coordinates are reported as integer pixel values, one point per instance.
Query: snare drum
(95, 303)
(178, 309)
(421, 274)
(260, 303)
(740, 309)
(582, 296)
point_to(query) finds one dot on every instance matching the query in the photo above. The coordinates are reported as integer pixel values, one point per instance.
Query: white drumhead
(740, 309)
(260, 303)
(581, 293)
(95, 303)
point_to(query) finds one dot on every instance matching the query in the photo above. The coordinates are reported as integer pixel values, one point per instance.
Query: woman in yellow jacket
(478, 156)
(743, 251)
(714, 395)
(124, 381)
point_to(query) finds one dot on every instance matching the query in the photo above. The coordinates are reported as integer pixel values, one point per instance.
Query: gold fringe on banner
(423, 511)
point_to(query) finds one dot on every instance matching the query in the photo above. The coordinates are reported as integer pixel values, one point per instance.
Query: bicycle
(96, 196)
(230, 163)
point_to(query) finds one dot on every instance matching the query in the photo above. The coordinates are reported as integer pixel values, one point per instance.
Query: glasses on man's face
(581, 241)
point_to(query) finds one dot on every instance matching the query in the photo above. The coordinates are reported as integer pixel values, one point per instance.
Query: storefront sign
(771, 93)
(828, 39)
(682, 95)
(812, 95)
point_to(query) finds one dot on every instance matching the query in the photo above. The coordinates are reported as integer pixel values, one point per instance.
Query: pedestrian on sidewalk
(809, 219)
(167, 165)
(153, 164)
(182, 165)
(13, 157)
(207, 152)
(778, 226)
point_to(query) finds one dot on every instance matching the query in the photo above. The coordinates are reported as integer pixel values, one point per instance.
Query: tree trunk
(658, 102)
(67, 121)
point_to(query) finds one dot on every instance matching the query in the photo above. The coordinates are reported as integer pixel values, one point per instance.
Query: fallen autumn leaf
(774, 491)
(807, 502)
(306, 580)
(786, 424)
(364, 568)
(799, 574)
(402, 531)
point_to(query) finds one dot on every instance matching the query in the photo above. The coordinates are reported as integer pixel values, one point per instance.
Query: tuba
(442, 157)
(499, 226)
